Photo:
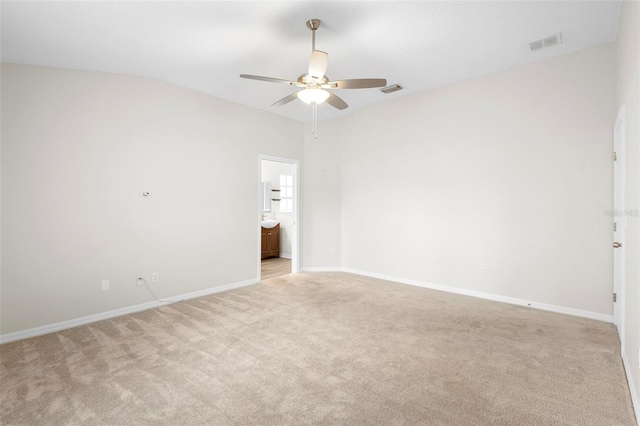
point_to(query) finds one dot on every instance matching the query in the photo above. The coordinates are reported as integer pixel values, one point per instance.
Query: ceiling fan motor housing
(313, 24)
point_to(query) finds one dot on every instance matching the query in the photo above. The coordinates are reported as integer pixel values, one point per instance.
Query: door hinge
(615, 226)
(615, 298)
(615, 156)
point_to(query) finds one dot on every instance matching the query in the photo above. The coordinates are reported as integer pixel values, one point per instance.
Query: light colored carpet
(325, 348)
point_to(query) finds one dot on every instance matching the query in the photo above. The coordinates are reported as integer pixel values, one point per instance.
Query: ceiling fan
(315, 84)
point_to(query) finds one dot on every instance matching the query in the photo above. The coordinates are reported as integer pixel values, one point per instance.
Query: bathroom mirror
(265, 196)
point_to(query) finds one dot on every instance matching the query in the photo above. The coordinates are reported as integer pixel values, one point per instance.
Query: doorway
(278, 216)
(619, 224)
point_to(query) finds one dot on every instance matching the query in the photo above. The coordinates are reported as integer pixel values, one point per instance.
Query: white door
(619, 224)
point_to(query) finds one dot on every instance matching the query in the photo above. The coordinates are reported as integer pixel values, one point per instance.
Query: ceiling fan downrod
(313, 25)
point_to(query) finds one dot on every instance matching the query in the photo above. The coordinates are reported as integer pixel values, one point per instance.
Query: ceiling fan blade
(318, 64)
(357, 83)
(269, 79)
(286, 99)
(336, 101)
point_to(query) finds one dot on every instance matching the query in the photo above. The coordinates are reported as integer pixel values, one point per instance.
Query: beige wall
(511, 171)
(321, 197)
(628, 66)
(77, 150)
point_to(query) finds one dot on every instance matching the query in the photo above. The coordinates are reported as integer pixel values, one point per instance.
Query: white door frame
(620, 223)
(295, 239)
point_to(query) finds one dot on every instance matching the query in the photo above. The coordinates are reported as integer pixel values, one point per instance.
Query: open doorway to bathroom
(278, 208)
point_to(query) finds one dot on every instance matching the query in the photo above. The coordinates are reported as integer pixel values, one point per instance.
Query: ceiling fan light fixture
(313, 95)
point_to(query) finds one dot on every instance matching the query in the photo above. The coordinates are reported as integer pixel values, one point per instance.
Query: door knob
(617, 244)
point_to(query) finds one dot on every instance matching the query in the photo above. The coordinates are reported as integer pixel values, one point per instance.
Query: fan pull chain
(315, 120)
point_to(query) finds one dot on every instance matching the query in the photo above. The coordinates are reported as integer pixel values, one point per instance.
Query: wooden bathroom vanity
(270, 242)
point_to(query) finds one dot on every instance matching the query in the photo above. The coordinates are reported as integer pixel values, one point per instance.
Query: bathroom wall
(271, 171)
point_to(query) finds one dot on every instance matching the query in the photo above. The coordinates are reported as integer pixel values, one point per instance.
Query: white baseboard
(63, 325)
(51, 328)
(488, 296)
(285, 255)
(323, 269)
(632, 388)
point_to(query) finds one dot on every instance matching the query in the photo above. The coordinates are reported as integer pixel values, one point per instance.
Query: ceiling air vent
(391, 89)
(546, 42)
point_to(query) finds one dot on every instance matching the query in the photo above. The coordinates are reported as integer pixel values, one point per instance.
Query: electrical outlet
(139, 280)
(334, 252)
(105, 285)
(154, 277)
(483, 271)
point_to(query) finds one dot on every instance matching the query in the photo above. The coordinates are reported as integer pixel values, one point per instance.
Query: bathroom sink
(269, 223)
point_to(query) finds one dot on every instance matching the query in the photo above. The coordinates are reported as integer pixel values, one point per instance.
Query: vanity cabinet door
(265, 251)
(273, 244)
(270, 242)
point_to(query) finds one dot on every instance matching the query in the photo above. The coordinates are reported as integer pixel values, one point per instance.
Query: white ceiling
(205, 45)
